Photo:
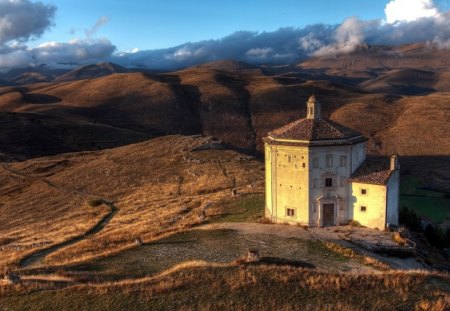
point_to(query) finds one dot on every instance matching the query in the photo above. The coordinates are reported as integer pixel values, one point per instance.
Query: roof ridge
(313, 130)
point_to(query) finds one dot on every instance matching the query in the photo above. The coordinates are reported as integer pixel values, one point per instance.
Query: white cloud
(103, 20)
(259, 52)
(409, 10)
(21, 20)
(75, 50)
(17, 58)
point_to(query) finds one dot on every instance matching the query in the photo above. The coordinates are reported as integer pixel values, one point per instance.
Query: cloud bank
(406, 21)
(22, 20)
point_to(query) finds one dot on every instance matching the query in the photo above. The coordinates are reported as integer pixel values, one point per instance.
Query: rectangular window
(290, 212)
(364, 191)
(329, 160)
(343, 161)
(289, 159)
(363, 208)
(315, 183)
(328, 182)
(315, 163)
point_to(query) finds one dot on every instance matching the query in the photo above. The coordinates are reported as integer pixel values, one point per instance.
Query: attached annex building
(317, 174)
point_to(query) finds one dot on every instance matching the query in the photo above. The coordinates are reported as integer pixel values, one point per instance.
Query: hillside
(417, 55)
(30, 77)
(171, 218)
(202, 286)
(91, 71)
(227, 65)
(403, 82)
(157, 187)
(25, 135)
(240, 107)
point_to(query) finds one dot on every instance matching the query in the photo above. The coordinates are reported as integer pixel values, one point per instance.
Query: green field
(245, 208)
(428, 203)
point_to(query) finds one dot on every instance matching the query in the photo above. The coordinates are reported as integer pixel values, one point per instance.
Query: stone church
(317, 174)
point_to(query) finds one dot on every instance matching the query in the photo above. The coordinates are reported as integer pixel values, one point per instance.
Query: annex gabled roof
(373, 171)
(313, 130)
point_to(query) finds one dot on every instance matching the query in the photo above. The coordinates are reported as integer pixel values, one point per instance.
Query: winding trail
(38, 256)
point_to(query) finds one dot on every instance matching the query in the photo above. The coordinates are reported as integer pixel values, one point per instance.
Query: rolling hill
(91, 71)
(416, 55)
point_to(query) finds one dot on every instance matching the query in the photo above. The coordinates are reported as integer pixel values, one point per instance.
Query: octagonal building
(317, 174)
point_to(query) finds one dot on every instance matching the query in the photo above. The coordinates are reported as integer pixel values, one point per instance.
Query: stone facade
(317, 174)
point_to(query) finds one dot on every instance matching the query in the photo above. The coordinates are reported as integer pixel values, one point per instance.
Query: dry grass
(347, 252)
(245, 287)
(151, 184)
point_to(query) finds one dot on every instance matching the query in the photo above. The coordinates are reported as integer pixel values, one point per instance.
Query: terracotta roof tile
(313, 129)
(317, 143)
(373, 171)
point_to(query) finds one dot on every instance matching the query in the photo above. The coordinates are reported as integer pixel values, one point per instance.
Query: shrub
(354, 223)
(95, 202)
(410, 219)
(436, 237)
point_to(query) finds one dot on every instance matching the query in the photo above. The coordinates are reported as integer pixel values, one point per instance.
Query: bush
(410, 219)
(354, 223)
(95, 202)
(437, 237)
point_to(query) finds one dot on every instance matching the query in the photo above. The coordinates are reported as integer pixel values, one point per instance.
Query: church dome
(315, 129)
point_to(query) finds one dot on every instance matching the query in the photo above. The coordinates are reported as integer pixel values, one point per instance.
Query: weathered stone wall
(374, 200)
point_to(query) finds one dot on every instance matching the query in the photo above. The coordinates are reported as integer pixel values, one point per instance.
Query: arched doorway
(328, 206)
(328, 217)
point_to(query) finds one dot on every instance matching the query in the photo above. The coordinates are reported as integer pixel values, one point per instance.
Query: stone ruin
(252, 255)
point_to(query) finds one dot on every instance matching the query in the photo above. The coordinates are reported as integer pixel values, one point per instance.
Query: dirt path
(38, 256)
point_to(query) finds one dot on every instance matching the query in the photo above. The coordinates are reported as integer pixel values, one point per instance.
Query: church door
(328, 215)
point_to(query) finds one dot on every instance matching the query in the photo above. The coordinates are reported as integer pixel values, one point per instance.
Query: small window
(315, 163)
(328, 182)
(315, 183)
(363, 208)
(330, 160)
(290, 212)
(364, 191)
(289, 159)
(343, 161)
(304, 165)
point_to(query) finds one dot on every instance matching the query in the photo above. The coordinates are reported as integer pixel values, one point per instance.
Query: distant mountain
(91, 71)
(239, 107)
(22, 74)
(417, 55)
(403, 82)
(227, 65)
(31, 77)
(5, 83)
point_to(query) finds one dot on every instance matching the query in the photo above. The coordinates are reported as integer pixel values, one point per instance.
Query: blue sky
(156, 24)
(174, 33)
